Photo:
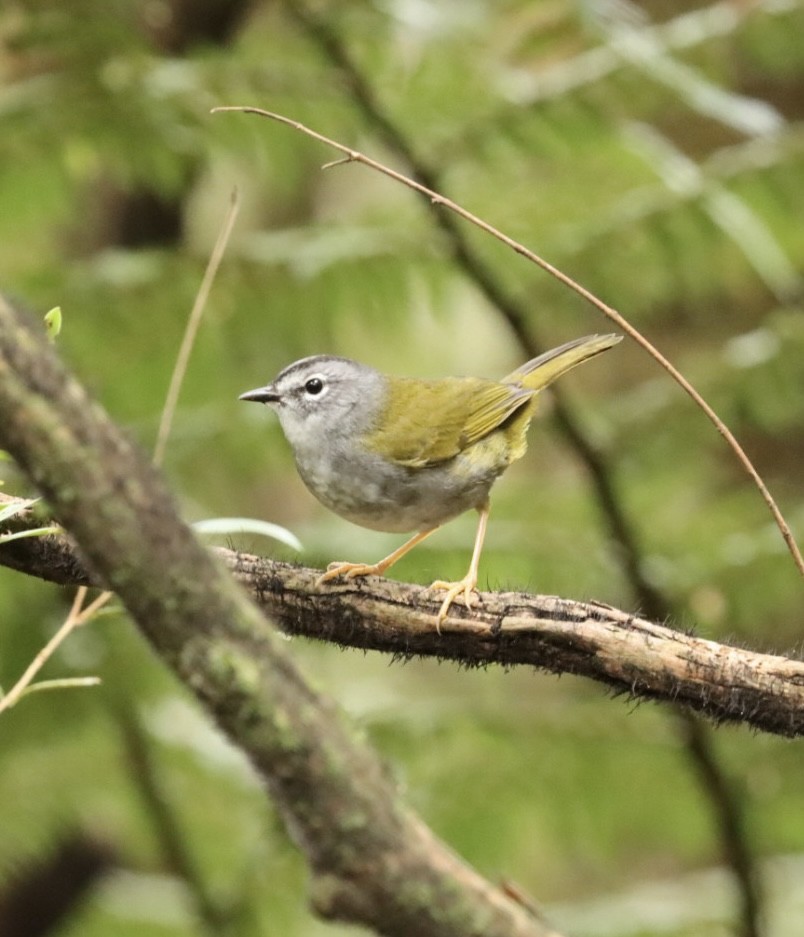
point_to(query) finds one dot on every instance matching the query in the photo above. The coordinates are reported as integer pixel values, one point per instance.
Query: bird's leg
(350, 570)
(466, 586)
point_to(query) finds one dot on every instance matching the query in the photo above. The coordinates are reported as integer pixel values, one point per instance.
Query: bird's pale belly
(399, 499)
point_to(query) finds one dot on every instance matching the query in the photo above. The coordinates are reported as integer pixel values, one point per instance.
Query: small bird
(402, 454)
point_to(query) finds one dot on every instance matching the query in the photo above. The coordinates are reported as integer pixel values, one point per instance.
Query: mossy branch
(372, 860)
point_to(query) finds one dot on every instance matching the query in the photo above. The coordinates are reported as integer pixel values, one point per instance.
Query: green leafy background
(655, 153)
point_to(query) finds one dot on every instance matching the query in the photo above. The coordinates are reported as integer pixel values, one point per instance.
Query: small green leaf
(53, 323)
(62, 684)
(37, 532)
(16, 507)
(235, 525)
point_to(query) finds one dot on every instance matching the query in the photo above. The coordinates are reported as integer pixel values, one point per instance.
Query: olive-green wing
(427, 422)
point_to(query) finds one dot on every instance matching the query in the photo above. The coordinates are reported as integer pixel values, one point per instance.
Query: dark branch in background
(731, 821)
(372, 860)
(42, 892)
(139, 215)
(184, 24)
(721, 792)
(639, 658)
(144, 775)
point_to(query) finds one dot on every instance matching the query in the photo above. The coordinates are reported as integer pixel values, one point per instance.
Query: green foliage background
(654, 153)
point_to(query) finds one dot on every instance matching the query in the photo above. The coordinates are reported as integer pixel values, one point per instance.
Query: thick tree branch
(630, 654)
(373, 861)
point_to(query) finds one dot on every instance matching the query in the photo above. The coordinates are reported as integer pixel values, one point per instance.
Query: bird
(405, 454)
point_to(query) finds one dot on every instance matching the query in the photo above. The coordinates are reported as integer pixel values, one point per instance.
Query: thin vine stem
(77, 616)
(80, 614)
(191, 330)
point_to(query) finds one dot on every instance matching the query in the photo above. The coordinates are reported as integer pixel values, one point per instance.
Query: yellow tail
(539, 372)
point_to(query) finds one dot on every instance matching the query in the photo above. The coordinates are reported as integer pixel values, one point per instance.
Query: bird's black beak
(261, 395)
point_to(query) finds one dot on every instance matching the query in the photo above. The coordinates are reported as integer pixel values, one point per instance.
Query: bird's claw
(348, 571)
(464, 590)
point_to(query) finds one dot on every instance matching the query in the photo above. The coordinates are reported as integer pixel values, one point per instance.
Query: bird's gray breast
(381, 495)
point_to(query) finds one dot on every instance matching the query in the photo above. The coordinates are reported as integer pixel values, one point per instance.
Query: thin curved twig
(435, 198)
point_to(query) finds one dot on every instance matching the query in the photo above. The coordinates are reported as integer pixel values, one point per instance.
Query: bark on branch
(628, 653)
(372, 860)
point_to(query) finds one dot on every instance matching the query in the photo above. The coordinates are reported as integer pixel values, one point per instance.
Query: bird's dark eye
(314, 386)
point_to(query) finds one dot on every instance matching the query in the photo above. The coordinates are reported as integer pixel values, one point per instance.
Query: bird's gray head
(322, 396)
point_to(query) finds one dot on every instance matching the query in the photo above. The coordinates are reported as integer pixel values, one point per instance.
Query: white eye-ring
(314, 385)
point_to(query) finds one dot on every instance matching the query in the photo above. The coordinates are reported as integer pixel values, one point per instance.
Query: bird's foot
(463, 590)
(350, 571)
